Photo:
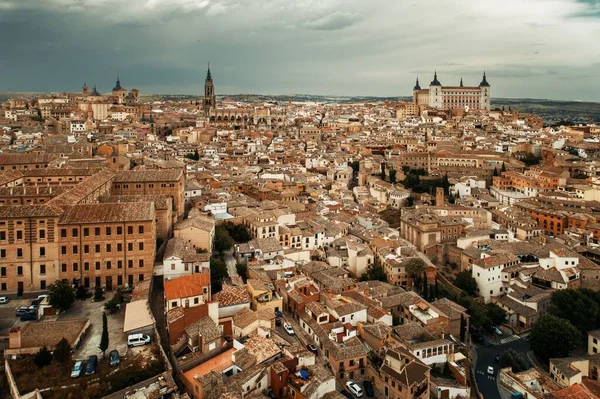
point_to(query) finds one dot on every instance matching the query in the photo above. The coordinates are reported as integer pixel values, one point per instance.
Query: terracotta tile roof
(204, 327)
(48, 333)
(231, 295)
(150, 175)
(180, 248)
(25, 211)
(110, 213)
(186, 286)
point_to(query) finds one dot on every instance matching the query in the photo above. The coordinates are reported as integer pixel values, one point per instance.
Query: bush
(518, 361)
(61, 295)
(43, 357)
(62, 352)
(466, 282)
(98, 294)
(115, 303)
(81, 293)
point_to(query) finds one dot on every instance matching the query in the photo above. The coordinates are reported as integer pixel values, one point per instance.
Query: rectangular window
(86, 266)
(2, 271)
(129, 229)
(108, 265)
(108, 231)
(2, 235)
(108, 247)
(130, 263)
(119, 264)
(97, 248)
(63, 267)
(141, 278)
(97, 265)
(86, 249)
(141, 263)
(119, 230)
(75, 249)
(2, 253)
(75, 233)
(42, 234)
(97, 231)
(3, 286)
(75, 266)
(63, 250)
(19, 270)
(86, 232)
(42, 269)
(141, 229)
(63, 233)
(141, 246)
(19, 234)
(130, 246)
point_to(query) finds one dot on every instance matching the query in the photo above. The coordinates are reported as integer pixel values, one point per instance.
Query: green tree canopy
(495, 314)
(518, 361)
(415, 267)
(43, 357)
(580, 307)
(238, 232)
(61, 295)
(104, 337)
(223, 241)
(553, 337)
(374, 273)
(62, 352)
(466, 282)
(218, 273)
(355, 165)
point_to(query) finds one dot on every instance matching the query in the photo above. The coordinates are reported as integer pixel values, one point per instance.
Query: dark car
(312, 348)
(278, 313)
(28, 316)
(36, 302)
(92, 363)
(113, 358)
(21, 311)
(346, 394)
(369, 388)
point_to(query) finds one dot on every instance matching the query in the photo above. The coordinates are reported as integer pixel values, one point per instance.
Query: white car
(288, 329)
(77, 369)
(138, 340)
(354, 388)
(490, 370)
(3, 300)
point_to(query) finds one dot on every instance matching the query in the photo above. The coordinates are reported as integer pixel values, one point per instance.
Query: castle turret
(485, 99)
(435, 92)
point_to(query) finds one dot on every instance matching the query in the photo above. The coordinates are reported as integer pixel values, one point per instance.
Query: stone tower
(210, 100)
(439, 196)
(485, 100)
(435, 93)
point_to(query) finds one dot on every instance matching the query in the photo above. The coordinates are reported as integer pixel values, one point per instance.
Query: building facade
(453, 97)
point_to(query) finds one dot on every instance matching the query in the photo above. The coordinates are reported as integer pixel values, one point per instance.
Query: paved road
(486, 383)
(230, 262)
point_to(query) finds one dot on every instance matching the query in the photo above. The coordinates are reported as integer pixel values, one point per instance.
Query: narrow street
(158, 310)
(231, 263)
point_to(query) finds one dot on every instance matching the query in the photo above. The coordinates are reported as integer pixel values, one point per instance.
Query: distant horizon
(142, 94)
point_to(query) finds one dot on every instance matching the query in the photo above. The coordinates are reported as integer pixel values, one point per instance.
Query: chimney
(14, 338)
(439, 196)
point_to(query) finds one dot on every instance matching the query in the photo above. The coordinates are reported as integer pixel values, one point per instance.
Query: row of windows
(75, 267)
(97, 231)
(86, 281)
(150, 185)
(98, 247)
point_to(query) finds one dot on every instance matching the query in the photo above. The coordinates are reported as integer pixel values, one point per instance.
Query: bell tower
(210, 99)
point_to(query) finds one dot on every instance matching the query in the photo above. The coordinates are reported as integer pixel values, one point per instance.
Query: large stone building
(453, 97)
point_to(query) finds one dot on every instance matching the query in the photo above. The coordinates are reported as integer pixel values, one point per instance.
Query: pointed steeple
(95, 92)
(484, 82)
(208, 75)
(118, 84)
(461, 82)
(435, 81)
(417, 87)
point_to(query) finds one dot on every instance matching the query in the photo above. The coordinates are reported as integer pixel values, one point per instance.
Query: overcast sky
(529, 48)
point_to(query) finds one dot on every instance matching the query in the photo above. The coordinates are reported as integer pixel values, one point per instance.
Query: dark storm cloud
(344, 47)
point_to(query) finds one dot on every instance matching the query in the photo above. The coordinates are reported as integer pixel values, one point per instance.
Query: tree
(43, 357)
(553, 337)
(393, 176)
(518, 361)
(415, 268)
(62, 352)
(580, 307)
(495, 173)
(104, 337)
(242, 270)
(223, 242)
(382, 174)
(466, 282)
(218, 273)
(61, 295)
(503, 168)
(495, 314)
(374, 273)
(238, 232)
(355, 165)
(98, 294)
(425, 287)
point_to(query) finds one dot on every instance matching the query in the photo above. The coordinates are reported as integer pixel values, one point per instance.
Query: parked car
(138, 340)
(42, 297)
(92, 364)
(288, 329)
(497, 331)
(36, 302)
(490, 370)
(77, 369)
(21, 311)
(113, 358)
(28, 316)
(3, 300)
(277, 321)
(278, 313)
(369, 390)
(346, 394)
(354, 388)
(312, 348)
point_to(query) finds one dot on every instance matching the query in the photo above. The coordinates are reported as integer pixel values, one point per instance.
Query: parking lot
(7, 314)
(90, 343)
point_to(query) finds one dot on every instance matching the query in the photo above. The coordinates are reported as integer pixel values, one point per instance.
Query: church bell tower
(210, 99)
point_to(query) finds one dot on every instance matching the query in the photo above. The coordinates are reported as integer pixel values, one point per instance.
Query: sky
(528, 48)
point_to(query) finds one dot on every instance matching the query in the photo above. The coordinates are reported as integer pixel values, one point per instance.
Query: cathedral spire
(417, 86)
(461, 82)
(208, 75)
(435, 81)
(484, 82)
